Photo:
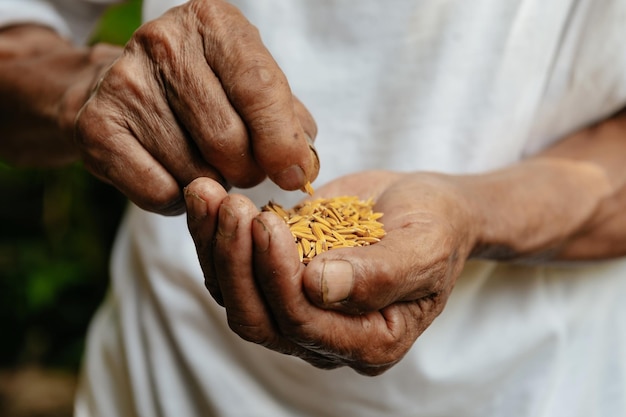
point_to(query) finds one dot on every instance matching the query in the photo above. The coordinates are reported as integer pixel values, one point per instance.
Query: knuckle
(227, 148)
(228, 136)
(159, 199)
(259, 72)
(209, 11)
(88, 138)
(160, 41)
(293, 327)
(260, 88)
(254, 333)
(153, 195)
(247, 179)
(384, 354)
(125, 85)
(91, 138)
(117, 75)
(388, 346)
(371, 370)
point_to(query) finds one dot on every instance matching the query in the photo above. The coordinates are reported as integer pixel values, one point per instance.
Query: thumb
(363, 279)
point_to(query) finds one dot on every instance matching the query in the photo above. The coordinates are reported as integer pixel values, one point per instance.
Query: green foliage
(118, 23)
(57, 230)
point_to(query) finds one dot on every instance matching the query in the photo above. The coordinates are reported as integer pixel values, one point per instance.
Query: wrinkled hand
(358, 307)
(195, 93)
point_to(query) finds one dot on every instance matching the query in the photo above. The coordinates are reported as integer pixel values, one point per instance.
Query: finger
(203, 198)
(370, 343)
(114, 155)
(145, 112)
(247, 313)
(259, 92)
(306, 119)
(364, 279)
(246, 308)
(111, 128)
(198, 100)
(310, 129)
(273, 241)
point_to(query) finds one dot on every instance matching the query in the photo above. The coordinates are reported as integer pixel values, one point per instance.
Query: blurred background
(56, 231)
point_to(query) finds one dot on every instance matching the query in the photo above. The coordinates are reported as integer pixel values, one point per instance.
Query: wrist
(531, 210)
(46, 80)
(98, 59)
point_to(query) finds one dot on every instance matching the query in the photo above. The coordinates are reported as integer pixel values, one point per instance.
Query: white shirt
(445, 85)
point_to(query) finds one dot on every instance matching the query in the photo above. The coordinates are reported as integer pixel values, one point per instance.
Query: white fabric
(446, 85)
(71, 18)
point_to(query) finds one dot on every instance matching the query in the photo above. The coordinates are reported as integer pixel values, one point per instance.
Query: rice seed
(308, 188)
(317, 231)
(324, 224)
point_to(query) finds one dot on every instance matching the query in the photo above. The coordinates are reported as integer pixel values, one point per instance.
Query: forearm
(44, 81)
(567, 203)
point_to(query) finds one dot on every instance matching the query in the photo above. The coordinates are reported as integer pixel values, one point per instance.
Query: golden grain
(308, 188)
(330, 223)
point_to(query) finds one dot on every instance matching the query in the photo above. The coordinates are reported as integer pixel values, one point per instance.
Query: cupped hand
(195, 94)
(359, 307)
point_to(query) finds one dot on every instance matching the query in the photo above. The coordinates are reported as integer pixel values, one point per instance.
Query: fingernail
(227, 225)
(196, 206)
(262, 241)
(337, 280)
(291, 178)
(314, 156)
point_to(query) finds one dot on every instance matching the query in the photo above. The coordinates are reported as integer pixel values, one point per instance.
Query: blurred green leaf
(118, 23)
(45, 284)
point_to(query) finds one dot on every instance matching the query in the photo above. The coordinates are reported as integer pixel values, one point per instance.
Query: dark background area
(56, 231)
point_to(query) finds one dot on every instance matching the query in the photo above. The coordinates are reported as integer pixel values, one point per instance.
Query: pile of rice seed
(329, 223)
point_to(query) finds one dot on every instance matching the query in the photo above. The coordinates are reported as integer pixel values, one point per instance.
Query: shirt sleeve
(74, 19)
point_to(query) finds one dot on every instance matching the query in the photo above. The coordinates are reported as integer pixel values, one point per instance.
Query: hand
(195, 93)
(359, 307)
